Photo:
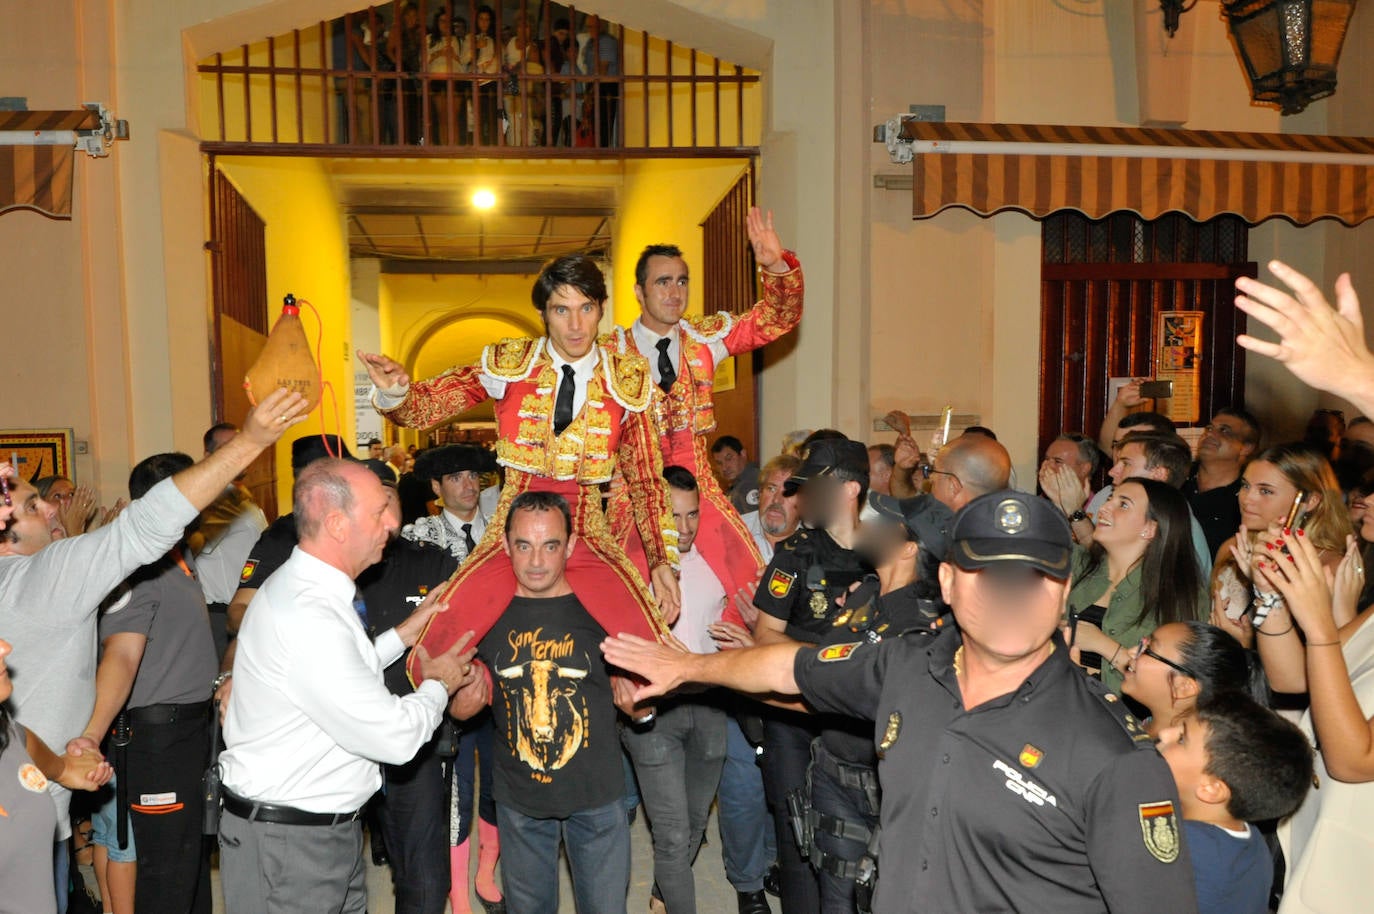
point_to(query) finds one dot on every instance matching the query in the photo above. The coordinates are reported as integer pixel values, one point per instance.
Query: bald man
(969, 466)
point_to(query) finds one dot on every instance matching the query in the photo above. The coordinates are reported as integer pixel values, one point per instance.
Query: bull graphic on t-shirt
(548, 721)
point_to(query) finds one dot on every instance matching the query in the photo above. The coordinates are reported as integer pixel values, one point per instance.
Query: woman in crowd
(1273, 482)
(1327, 841)
(479, 56)
(448, 100)
(1139, 574)
(1181, 664)
(523, 58)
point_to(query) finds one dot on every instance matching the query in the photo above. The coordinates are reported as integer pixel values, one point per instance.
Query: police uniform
(843, 779)
(1048, 798)
(802, 585)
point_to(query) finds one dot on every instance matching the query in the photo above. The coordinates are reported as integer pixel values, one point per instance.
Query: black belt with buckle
(283, 815)
(169, 714)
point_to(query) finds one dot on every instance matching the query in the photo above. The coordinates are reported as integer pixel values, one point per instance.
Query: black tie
(667, 374)
(563, 408)
(467, 538)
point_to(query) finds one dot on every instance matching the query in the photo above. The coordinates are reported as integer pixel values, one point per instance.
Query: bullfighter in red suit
(683, 353)
(569, 414)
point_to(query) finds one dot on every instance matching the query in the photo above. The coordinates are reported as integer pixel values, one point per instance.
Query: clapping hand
(1063, 487)
(1304, 583)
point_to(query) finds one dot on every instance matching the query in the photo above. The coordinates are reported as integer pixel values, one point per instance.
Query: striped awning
(39, 177)
(1037, 169)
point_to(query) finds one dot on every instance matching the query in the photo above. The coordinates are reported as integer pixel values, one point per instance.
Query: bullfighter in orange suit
(570, 413)
(683, 353)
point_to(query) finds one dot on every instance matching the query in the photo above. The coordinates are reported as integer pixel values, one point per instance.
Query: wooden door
(238, 257)
(1098, 317)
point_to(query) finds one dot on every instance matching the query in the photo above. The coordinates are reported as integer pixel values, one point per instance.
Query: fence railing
(444, 77)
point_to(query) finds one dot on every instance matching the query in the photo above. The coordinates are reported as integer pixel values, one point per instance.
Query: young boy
(1235, 762)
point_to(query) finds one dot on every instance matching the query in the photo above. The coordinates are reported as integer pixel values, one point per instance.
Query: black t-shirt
(909, 611)
(1048, 798)
(392, 589)
(1217, 511)
(271, 551)
(558, 751)
(808, 573)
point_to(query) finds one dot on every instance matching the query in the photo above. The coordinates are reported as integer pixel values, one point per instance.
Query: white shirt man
(309, 717)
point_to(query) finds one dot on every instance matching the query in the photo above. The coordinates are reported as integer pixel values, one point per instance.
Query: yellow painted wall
(308, 95)
(665, 201)
(307, 255)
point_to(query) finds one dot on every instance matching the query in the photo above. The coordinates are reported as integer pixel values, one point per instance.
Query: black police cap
(925, 516)
(305, 451)
(438, 462)
(824, 457)
(1008, 529)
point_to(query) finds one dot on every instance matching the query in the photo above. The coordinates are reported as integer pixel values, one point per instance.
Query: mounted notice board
(1178, 358)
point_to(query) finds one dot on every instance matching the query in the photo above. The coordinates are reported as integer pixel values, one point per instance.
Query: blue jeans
(748, 846)
(678, 760)
(598, 845)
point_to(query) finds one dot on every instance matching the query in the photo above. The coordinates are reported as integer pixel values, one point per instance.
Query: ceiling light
(483, 199)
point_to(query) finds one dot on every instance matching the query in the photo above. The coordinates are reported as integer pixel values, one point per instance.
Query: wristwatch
(220, 680)
(643, 721)
(1077, 516)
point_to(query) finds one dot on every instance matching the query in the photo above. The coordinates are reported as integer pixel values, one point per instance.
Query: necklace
(959, 661)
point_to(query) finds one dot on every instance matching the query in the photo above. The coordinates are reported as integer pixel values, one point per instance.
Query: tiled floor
(714, 894)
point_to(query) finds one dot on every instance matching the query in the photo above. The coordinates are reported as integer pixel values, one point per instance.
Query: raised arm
(752, 670)
(1345, 734)
(266, 423)
(1127, 398)
(1321, 345)
(784, 288)
(423, 404)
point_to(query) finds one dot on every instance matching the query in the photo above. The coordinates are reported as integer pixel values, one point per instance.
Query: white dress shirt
(646, 341)
(703, 600)
(754, 525)
(309, 717)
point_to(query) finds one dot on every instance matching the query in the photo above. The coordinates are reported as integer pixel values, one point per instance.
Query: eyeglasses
(1177, 667)
(927, 471)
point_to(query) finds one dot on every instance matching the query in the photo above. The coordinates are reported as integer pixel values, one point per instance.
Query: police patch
(837, 652)
(246, 574)
(1159, 828)
(780, 584)
(1030, 756)
(1011, 515)
(819, 604)
(894, 729)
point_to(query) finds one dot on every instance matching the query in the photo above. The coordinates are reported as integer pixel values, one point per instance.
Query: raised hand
(1321, 345)
(1305, 585)
(662, 666)
(385, 372)
(77, 513)
(762, 237)
(906, 452)
(269, 420)
(1228, 608)
(1063, 487)
(1348, 583)
(1128, 395)
(414, 624)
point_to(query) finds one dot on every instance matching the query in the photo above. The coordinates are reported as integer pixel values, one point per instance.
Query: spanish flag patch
(780, 584)
(837, 652)
(246, 574)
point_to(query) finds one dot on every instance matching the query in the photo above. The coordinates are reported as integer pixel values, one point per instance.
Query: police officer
(906, 541)
(799, 599)
(1011, 782)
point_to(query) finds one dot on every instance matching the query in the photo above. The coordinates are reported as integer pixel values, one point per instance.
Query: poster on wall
(1178, 358)
(38, 452)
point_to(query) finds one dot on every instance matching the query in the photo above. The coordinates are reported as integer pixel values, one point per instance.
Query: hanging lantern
(1289, 47)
